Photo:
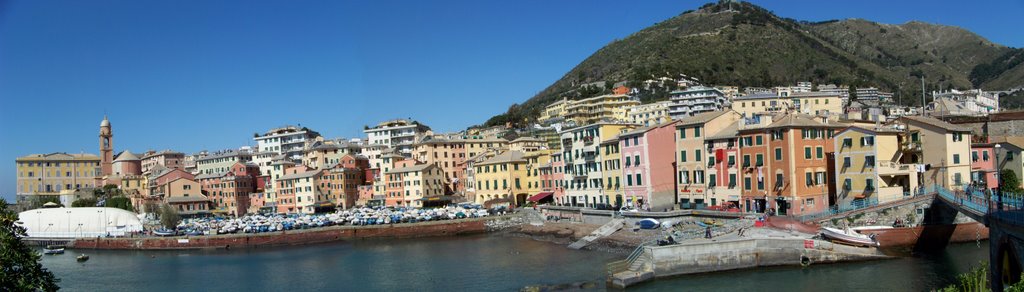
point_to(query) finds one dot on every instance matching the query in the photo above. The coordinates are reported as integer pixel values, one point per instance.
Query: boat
(164, 232)
(649, 223)
(875, 227)
(82, 258)
(53, 249)
(849, 237)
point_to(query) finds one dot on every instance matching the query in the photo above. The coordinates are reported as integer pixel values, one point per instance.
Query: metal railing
(860, 204)
(623, 265)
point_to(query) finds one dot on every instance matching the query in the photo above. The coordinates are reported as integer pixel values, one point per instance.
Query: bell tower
(106, 147)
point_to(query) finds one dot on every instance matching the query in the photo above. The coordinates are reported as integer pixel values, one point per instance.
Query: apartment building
(696, 100)
(287, 140)
(399, 134)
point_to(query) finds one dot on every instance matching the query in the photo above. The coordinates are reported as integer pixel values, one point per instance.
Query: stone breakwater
(306, 236)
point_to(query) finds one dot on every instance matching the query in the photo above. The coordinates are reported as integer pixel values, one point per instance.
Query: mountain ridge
(741, 44)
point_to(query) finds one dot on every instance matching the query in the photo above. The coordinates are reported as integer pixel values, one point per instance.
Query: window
(957, 179)
(778, 153)
(869, 184)
(759, 140)
(732, 160)
(712, 177)
(746, 160)
(696, 155)
(629, 180)
(682, 133)
(627, 161)
(957, 137)
(636, 141)
(984, 155)
(807, 152)
(867, 141)
(760, 160)
(956, 158)
(682, 156)
(808, 178)
(847, 184)
(778, 180)
(746, 183)
(639, 180)
(636, 159)
(820, 152)
(732, 180)
(696, 133)
(869, 161)
(846, 161)
(760, 184)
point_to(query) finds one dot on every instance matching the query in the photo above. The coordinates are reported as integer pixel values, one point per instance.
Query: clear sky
(194, 75)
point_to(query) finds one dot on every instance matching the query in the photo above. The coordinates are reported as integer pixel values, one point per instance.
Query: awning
(539, 196)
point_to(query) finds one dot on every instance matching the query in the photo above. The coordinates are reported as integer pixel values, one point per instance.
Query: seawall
(682, 259)
(292, 237)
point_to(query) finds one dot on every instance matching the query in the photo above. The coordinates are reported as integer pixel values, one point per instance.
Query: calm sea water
(469, 263)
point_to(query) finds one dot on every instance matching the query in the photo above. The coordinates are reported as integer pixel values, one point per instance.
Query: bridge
(1003, 214)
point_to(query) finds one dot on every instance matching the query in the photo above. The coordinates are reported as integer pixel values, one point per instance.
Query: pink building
(648, 167)
(557, 176)
(983, 167)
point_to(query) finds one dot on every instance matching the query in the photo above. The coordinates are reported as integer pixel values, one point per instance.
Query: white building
(221, 161)
(695, 100)
(399, 134)
(649, 114)
(79, 222)
(287, 140)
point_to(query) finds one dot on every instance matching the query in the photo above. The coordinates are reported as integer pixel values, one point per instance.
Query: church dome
(105, 122)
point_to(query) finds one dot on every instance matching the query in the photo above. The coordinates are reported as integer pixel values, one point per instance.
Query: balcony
(892, 168)
(912, 146)
(588, 140)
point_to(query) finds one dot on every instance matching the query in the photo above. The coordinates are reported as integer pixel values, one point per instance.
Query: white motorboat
(849, 237)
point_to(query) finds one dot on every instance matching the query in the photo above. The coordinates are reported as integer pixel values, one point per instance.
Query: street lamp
(999, 183)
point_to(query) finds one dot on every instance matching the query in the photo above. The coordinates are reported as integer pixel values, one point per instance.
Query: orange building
(786, 163)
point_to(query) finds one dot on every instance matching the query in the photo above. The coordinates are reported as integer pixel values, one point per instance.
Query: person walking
(707, 232)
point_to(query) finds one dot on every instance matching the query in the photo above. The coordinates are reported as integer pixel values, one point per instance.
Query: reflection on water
(468, 263)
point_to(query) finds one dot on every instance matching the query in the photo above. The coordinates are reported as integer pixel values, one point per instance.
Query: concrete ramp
(605, 230)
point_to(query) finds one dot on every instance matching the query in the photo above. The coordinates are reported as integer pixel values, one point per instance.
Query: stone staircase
(605, 230)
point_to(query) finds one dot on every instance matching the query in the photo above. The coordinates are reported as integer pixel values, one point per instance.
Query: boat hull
(840, 237)
(909, 236)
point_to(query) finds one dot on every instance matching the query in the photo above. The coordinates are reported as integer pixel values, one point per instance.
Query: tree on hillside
(84, 202)
(1009, 183)
(41, 200)
(119, 202)
(21, 270)
(169, 217)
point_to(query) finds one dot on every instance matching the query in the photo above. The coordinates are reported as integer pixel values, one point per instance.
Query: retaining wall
(290, 237)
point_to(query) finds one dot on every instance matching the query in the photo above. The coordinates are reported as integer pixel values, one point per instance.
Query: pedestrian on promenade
(707, 232)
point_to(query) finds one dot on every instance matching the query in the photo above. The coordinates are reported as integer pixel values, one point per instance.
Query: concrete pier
(713, 256)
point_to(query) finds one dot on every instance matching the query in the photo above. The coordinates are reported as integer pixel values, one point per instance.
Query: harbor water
(466, 263)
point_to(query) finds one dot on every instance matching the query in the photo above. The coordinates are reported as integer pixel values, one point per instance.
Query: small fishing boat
(82, 258)
(649, 223)
(848, 237)
(164, 232)
(53, 249)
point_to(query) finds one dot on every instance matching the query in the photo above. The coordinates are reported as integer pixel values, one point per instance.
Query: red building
(229, 191)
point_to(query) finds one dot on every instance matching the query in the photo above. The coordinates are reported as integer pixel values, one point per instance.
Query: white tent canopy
(79, 222)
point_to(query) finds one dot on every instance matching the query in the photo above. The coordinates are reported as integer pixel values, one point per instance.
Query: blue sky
(193, 75)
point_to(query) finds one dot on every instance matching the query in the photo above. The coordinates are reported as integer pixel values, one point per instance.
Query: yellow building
(944, 147)
(501, 178)
(868, 167)
(534, 161)
(813, 103)
(591, 110)
(49, 174)
(611, 164)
